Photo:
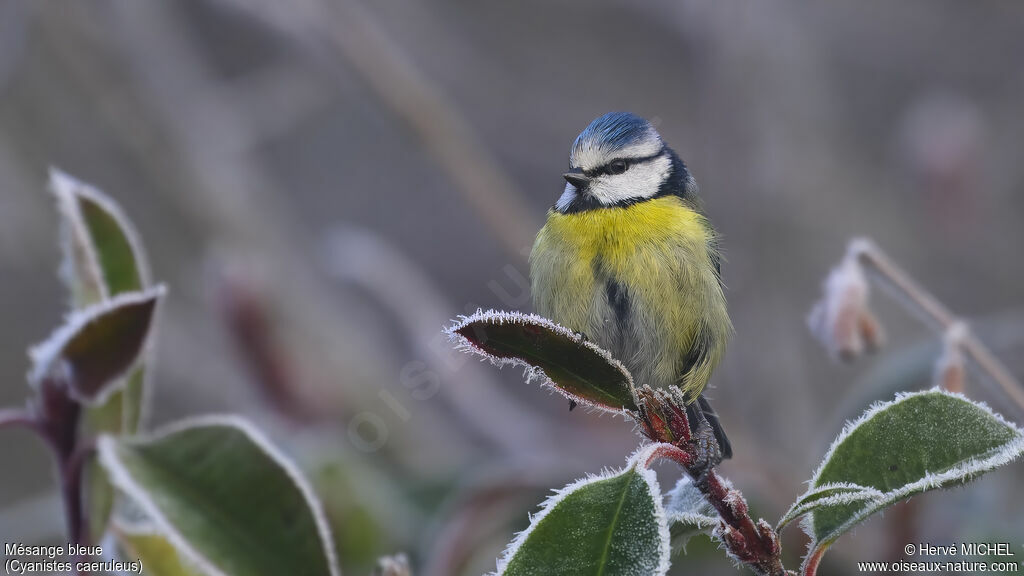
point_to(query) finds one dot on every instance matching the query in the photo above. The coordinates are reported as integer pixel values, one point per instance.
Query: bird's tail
(711, 416)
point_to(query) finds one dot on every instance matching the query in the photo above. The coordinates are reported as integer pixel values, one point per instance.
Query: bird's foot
(705, 447)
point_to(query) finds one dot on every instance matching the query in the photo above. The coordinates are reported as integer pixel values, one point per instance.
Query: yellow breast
(658, 252)
(616, 233)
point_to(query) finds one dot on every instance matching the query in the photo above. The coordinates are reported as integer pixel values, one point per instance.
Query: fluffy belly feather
(640, 281)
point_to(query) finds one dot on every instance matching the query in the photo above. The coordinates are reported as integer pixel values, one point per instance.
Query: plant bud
(951, 367)
(842, 320)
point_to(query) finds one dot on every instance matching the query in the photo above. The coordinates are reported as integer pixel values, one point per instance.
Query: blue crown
(614, 131)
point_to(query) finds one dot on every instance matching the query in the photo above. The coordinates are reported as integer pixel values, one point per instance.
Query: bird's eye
(617, 167)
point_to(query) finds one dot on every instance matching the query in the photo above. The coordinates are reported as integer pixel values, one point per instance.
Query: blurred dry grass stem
(951, 367)
(355, 35)
(846, 290)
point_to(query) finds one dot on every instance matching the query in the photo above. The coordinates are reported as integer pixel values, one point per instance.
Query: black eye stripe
(605, 168)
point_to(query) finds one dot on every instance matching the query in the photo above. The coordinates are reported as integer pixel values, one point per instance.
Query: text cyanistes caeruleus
(628, 258)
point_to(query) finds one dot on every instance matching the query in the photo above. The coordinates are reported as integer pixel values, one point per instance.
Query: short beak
(577, 179)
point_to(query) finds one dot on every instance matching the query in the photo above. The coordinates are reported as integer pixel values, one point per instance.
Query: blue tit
(628, 258)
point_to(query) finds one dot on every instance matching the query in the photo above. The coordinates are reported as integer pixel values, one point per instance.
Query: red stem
(755, 544)
(55, 419)
(71, 471)
(811, 564)
(673, 453)
(18, 417)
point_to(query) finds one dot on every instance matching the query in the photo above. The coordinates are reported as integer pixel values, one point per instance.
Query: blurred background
(324, 185)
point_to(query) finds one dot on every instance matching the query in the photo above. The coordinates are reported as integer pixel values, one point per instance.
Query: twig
(753, 543)
(69, 473)
(18, 417)
(71, 470)
(871, 256)
(811, 564)
(57, 419)
(662, 418)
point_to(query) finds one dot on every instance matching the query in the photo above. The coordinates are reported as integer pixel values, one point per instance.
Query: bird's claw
(706, 450)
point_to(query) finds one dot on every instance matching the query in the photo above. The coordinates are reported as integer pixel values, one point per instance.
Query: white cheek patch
(566, 198)
(639, 182)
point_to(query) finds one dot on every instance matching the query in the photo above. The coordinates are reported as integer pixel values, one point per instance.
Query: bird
(629, 259)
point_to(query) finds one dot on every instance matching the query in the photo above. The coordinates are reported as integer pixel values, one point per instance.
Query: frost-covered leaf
(689, 512)
(102, 254)
(224, 497)
(612, 524)
(559, 357)
(103, 257)
(121, 413)
(920, 441)
(97, 345)
(99, 497)
(133, 399)
(828, 495)
(158, 556)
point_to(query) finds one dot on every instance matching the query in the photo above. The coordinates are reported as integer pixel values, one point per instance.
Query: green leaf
(97, 345)
(613, 524)
(102, 252)
(919, 442)
(828, 495)
(157, 554)
(120, 414)
(689, 512)
(557, 356)
(224, 497)
(134, 399)
(103, 257)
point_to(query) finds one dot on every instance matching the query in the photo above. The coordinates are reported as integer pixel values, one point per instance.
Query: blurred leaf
(120, 414)
(103, 257)
(99, 497)
(557, 356)
(356, 519)
(134, 398)
(225, 497)
(689, 512)
(612, 524)
(158, 556)
(921, 441)
(97, 345)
